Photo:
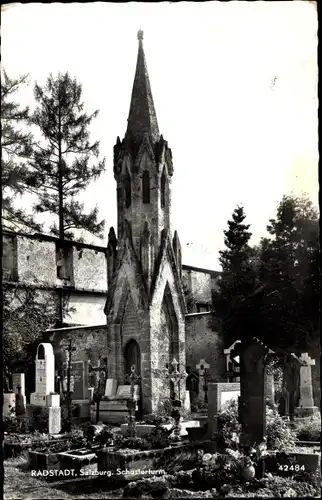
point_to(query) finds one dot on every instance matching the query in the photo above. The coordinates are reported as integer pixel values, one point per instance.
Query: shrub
(279, 434)
(159, 438)
(228, 426)
(136, 443)
(308, 429)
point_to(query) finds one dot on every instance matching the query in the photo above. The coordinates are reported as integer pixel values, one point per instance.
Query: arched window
(146, 186)
(127, 190)
(163, 189)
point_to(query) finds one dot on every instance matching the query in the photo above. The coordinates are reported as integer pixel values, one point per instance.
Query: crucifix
(133, 378)
(202, 367)
(100, 373)
(175, 377)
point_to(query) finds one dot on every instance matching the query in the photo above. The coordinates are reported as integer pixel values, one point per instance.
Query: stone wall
(204, 341)
(200, 282)
(36, 261)
(89, 343)
(90, 268)
(86, 309)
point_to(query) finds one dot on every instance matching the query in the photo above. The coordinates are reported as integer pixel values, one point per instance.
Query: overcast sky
(235, 91)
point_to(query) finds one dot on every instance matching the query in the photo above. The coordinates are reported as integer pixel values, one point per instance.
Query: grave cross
(202, 367)
(306, 360)
(176, 377)
(133, 378)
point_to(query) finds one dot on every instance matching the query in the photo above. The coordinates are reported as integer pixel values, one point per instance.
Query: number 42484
(287, 468)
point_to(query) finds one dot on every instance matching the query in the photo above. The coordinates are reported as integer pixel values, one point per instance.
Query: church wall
(203, 341)
(90, 269)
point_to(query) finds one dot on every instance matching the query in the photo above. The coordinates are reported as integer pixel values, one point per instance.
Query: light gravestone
(306, 405)
(110, 388)
(44, 398)
(202, 367)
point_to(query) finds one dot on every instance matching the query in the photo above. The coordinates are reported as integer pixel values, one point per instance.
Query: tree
(16, 149)
(26, 315)
(238, 280)
(289, 265)
(66, 161)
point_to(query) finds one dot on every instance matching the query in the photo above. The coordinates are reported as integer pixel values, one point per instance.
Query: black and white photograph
(160, 250)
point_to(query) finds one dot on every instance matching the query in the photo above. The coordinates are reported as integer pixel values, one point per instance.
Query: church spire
(142, 117)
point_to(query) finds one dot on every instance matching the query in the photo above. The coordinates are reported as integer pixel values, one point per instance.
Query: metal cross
(133, 378)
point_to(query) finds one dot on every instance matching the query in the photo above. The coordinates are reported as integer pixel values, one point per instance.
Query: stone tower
(145, 307)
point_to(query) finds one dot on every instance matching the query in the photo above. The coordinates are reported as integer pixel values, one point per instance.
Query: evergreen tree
(289, 265)
(238, 281)
(66, 161)
(16, 149)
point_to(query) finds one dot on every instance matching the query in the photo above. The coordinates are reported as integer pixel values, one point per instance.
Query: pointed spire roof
(142, 117)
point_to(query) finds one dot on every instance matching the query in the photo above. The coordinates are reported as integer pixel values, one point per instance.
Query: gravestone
(9, 404)
(45, 374)
(18, 380)
(291, 383)
(306, 405)
(80, 380)
(252, 405)
(20, 403)
(270, 389)
(192, 386)
(44, 408)
(202, 366)
(110, 388)
(219, 394)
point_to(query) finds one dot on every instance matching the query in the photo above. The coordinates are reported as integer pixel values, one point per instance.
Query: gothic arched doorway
(132, 356)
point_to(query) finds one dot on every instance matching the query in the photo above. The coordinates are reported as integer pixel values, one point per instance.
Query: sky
(234, 87)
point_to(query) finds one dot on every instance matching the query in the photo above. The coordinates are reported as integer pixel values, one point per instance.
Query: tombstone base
(306, 411)
(44, 418)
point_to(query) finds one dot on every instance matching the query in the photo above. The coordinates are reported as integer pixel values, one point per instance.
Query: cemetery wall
(86, 309)
(36, 261)
(204, 341)
(90, 268)
(89, 343)
(200, 282)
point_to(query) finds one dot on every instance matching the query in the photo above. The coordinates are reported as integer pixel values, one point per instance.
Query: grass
(19, 484)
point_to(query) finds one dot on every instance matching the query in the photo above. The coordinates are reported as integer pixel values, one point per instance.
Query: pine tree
(238, 281)
(289, 265)
(16, 149)
(66, 161)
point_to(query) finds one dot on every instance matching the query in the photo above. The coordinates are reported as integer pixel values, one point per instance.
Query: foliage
(16, 149)
(159, 438)
(65, 162)
(289, 266)
(228, 426)
(15, 424)
(308, 429)
(136, 443)
(74, 443)
(279, 434)
(26, 315)
(238, 280)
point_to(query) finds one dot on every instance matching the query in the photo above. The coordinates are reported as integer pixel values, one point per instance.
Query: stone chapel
(145, 307)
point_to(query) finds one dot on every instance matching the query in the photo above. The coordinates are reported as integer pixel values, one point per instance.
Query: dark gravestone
(79, 374)
(291, 382)
(252, 407)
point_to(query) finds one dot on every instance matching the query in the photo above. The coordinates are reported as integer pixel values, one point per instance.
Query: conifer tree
(238, 280)
(65, 161)
(16, 147)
